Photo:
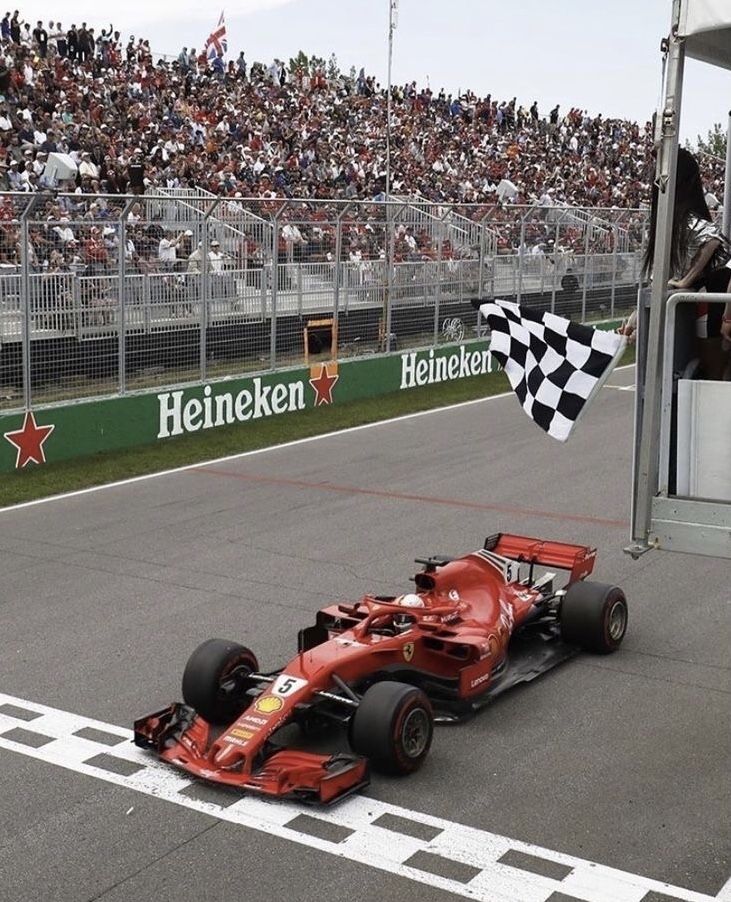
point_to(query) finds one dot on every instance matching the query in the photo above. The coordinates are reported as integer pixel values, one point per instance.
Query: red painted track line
(404, 496)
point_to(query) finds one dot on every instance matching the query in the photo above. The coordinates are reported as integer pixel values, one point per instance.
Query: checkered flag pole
(554, 365)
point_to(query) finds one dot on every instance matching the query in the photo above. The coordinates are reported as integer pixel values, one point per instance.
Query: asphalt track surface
(604, 763)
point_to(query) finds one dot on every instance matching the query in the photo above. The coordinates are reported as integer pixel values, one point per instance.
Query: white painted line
(252, 453)
(242, 454)
(724, 894)
(368, 843)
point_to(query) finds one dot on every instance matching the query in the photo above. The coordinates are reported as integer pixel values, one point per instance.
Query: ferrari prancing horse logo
(408, 651)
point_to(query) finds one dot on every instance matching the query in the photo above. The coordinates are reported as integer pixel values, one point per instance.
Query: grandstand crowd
(132, 122)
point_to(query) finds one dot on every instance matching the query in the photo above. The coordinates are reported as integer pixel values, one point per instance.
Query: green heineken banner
(47, 434)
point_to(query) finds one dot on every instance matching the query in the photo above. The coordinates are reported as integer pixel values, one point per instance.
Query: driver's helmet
(410, 600)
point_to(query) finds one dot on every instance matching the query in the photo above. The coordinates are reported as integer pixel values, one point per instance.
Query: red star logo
(323, 385)
(29, 441)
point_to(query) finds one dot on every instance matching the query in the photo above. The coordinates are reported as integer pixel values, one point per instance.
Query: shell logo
(269, 704)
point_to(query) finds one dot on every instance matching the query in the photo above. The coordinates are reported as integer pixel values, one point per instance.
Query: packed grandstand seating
(135, 122)
(271, 130)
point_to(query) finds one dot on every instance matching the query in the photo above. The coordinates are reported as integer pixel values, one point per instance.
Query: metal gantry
(662, 517)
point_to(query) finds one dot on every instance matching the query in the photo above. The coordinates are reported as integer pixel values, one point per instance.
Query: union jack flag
(217, 45)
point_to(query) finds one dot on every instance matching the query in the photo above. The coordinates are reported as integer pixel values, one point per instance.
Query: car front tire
(212, 680)
(393, 727)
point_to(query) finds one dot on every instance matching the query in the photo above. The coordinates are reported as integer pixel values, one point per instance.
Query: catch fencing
(103, 296)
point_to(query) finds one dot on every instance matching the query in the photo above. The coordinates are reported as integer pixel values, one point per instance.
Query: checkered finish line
(465, 861)
(554, 365)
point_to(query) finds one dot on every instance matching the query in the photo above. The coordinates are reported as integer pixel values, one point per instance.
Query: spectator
(72, 43)
(84, 44)
(167, 251)
(136, 172)
(40, 39)
(87, 168)
(95, 253)
(216, 257)
(700, 258)
(195, 259)
(255, 131)
(15, 24)
(14, 176)
(134, 217)
(64, 232)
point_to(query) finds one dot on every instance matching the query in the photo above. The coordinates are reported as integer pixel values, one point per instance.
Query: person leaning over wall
(700, 260)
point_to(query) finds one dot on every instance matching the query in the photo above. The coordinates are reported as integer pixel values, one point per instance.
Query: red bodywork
(471, 607)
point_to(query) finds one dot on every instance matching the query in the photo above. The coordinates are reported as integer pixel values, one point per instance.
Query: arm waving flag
(554, 365)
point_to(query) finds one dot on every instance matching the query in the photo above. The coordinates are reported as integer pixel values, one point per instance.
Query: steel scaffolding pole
(205, 290)
(121, 299)
(25, 323)
(651, 324)
(338, 271)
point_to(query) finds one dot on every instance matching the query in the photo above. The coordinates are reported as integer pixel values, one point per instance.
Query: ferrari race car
(387, 668)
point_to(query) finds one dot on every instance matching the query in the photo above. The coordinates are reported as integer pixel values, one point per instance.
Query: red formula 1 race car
(387, 668)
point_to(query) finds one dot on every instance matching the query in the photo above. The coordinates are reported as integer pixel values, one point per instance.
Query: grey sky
(603, 57)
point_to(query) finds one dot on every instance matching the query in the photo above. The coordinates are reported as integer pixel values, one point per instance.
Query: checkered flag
(555, 366)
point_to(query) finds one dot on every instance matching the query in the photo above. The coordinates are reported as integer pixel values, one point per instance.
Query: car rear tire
(594, 616)
(393, 727)
(212, 680)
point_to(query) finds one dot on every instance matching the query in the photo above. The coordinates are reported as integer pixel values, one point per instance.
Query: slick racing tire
(594, 616)
(212, 680)
(393, 727)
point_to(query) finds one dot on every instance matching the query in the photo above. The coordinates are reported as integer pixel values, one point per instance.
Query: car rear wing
(579, 559)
